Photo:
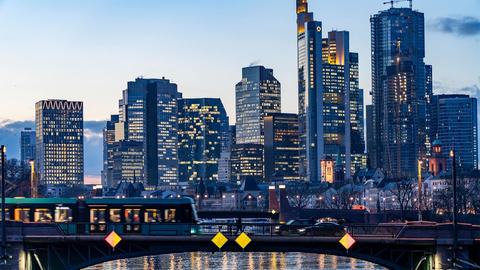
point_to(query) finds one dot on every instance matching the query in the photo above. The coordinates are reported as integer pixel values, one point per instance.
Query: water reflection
(247, 261)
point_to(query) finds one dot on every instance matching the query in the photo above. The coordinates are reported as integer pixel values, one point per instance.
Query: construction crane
(391, 2)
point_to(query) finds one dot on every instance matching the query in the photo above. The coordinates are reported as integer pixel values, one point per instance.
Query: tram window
(22, 214)
(115, 215)
(132, 215)
(97, 216)
(170, 215)
(42, 215)
(153, 215)
(63, 214)
(7, 214)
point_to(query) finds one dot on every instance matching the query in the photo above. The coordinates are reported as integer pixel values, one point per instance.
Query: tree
(300, 195)
(403, 193)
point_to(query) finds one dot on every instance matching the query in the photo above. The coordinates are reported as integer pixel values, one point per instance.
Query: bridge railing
(375, 230)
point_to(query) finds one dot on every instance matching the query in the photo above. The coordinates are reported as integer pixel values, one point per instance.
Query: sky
(87, 50)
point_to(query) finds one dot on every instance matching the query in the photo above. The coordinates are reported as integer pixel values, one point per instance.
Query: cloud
(460, 26)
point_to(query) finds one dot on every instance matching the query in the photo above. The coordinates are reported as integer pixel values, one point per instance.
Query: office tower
(256, 95)
(27, 145)
(428, 101)
(310, 92)
(398, 90)
(247, 161)
(148, 112)
(108, 142)
(59, 142)
(454, 123)
(370, 140)
(202, 128)
(127, 162)
(281, 147)
(224, 163)
(336, 97)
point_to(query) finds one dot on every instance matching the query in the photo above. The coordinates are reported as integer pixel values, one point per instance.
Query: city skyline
(100, 69)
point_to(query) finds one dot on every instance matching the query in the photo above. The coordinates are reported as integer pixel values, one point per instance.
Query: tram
(99, 215)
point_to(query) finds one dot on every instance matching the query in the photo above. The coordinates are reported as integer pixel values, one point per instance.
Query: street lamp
(454, 179)
(419, 189)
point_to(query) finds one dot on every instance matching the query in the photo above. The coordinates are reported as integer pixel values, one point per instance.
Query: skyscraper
(27, 145)
(108, 143)
(281, 143)
(202, 127)
(310, 92)
(454, 123)
(127, 161)
(148, 112)
(398, 90)
(256, 95)
(370, 139)
(224, 163)
(59, 142)
(247, 161)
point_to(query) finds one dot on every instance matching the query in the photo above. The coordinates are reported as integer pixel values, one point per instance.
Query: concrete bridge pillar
(18, 258)
(444, 254)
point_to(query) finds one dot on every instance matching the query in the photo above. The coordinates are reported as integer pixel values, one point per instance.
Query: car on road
(323, 229)
(292, 226)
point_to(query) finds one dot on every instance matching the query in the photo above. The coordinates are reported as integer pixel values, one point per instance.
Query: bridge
(395, 246)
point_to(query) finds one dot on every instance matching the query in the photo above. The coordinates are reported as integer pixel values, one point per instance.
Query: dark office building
(398, 90)
(59, 142)
(370, 140)
(127, 162)
(27, 145)
(247, 161)
(202, 128)
(454, 123)
(281, 147)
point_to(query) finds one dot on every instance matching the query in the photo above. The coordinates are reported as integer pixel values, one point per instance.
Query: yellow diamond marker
(243, 240)
(219, 240)
(113, 239)
(347, 241)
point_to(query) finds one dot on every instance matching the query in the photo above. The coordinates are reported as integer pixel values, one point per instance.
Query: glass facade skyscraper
(454, 122)
(281, 147)
(202, 128)
(256, 95)
(398, 91)
(149, 112)
(27, 145)
(108, 142)
(310, 92)
(59, 142)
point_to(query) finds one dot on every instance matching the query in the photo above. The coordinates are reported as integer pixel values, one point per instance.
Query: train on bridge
(101, 215)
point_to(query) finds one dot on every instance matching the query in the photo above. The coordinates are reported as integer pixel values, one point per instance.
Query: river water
(227, 261)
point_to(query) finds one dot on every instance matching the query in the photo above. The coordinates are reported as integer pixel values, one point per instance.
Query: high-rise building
(202, 128)
(256, 95)
(27, 145)
(370, 140)
(310, 92)
(59, 142)
(224, 163)
(281, 146)
(247, 161)
(108, 143)
(454, 123)
(127, 161)
(428, 100)
(148, 112)
(398, 90)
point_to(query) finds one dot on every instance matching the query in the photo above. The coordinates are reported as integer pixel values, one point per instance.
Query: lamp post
(419, 184)
(455, 210)
(3, 149)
